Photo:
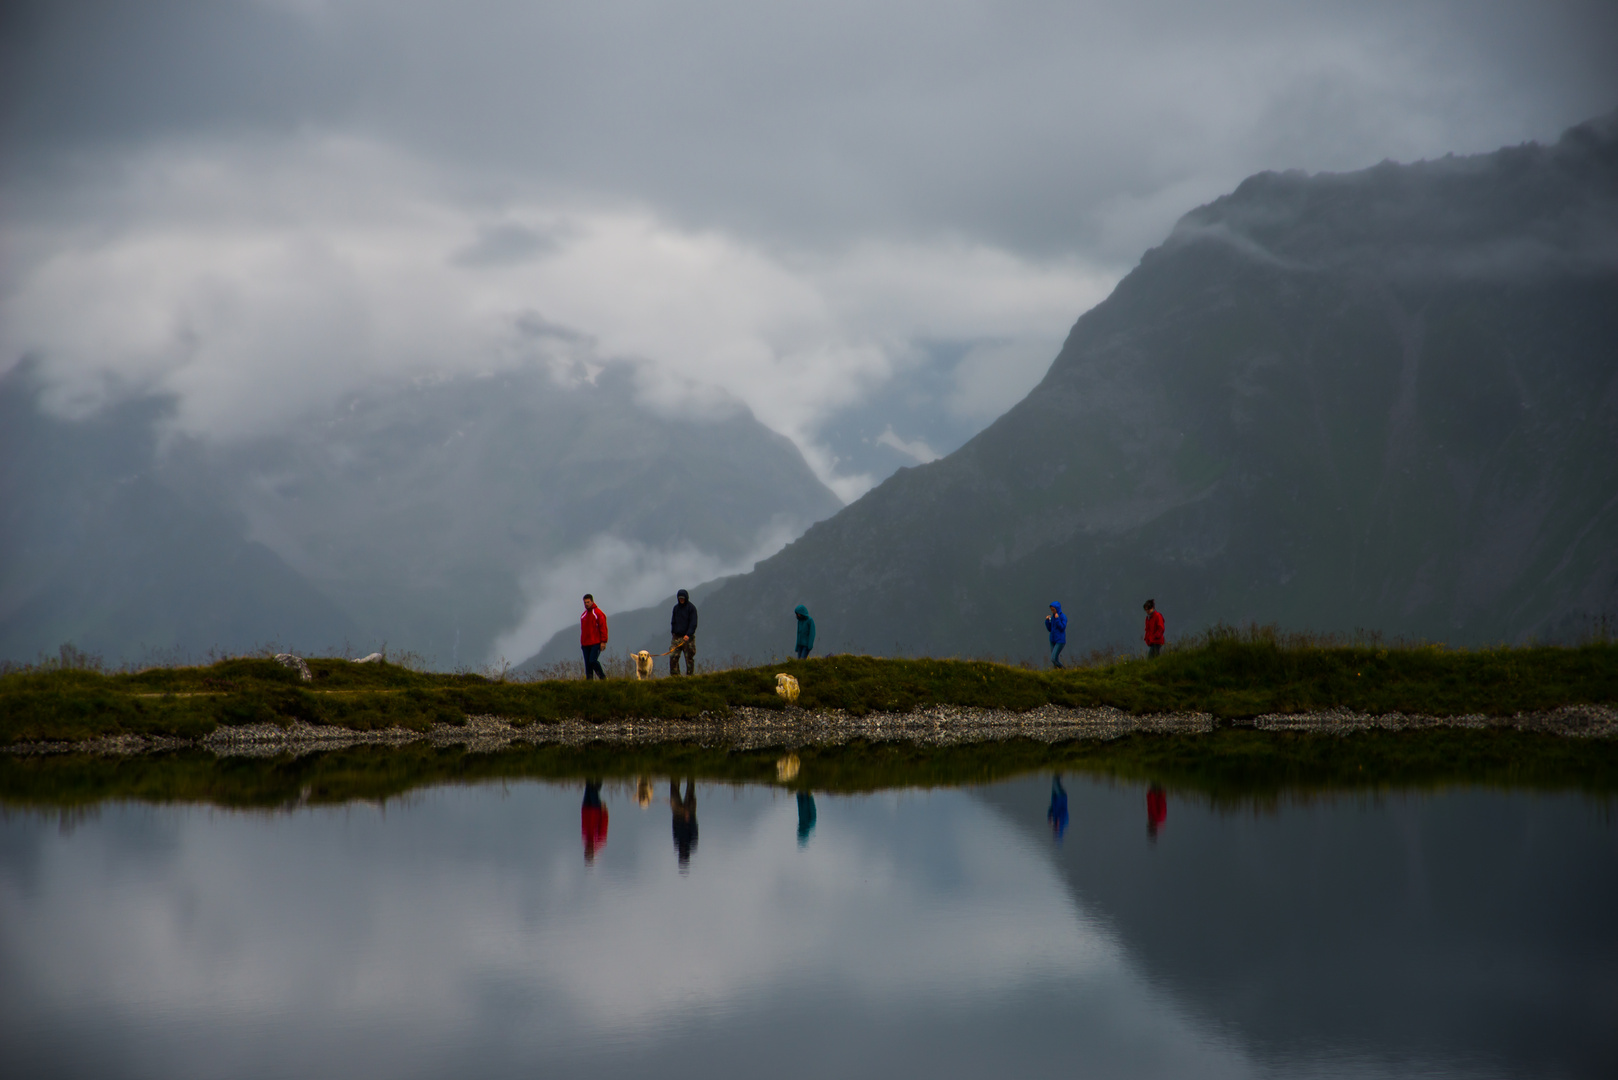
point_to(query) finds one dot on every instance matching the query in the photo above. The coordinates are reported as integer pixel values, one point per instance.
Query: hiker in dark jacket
(806, 631)
(1056, 623)
(683, 634)
(685, 820)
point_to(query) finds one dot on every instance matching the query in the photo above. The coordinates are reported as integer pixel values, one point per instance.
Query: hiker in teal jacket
(806, 631)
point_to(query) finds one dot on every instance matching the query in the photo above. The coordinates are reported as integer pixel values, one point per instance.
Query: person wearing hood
(1057, 814)
(806, 817)
(685, 820)
(806, 632)
(683, 634)
(1056, 623)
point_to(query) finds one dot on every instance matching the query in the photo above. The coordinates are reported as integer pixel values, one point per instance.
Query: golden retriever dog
(643, 664)
(786, 686)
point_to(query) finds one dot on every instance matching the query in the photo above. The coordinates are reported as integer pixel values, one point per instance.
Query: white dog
(786, 686)
(643, 664)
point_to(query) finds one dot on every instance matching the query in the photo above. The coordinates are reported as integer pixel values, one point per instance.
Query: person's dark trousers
(678, 648)
(1152, 651)
(1056, 652)
(803, 652)
(592, 662)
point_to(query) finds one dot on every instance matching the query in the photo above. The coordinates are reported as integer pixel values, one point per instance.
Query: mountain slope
(432, 517)
(1385, 399)
(440, 514)
(97, 551)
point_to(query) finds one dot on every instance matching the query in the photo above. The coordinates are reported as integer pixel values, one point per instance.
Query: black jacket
(684, 621)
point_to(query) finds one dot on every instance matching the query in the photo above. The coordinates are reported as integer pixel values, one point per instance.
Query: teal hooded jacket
(806, 627)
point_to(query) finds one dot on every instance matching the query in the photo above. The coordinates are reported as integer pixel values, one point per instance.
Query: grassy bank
(1231, 675)
(1230, 767)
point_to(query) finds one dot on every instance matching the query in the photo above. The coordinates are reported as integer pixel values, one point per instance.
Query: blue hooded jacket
(1057, 625)
(806, 627)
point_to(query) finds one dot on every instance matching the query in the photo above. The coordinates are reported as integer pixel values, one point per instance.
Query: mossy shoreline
(1230, 676)
(1231, 766)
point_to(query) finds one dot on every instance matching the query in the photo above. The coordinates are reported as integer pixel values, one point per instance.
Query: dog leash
(676, 648)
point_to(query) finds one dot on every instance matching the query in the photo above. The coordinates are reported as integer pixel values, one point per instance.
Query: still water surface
(754, 931)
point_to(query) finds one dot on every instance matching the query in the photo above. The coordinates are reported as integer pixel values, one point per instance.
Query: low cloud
(257, 285)
(992, 377)
(622, 575)
(913, 448)
(259, 210)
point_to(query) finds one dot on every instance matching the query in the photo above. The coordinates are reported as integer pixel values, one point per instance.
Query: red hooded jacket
(1154, 628)
(592, 627)
(593, 824)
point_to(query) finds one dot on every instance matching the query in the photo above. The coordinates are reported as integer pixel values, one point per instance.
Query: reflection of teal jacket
(806, 627)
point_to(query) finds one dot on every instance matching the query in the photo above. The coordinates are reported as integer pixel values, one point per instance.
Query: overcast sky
(870, 222)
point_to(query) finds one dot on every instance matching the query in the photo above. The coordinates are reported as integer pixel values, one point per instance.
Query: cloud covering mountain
(860, 220)
(457, 518)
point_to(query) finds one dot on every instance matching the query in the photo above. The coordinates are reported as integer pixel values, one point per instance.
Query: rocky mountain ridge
(1385, 400)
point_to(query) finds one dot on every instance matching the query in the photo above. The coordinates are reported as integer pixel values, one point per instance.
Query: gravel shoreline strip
(759, 729)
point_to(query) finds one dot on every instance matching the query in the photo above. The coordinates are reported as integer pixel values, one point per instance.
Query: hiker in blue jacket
(1056, 623)
(806, 631)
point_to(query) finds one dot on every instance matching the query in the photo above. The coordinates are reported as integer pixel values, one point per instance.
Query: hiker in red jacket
(593, 821)
(592, 635)
(1154, 629)
(1157, 810)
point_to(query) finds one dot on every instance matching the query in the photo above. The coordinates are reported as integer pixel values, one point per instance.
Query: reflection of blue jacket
(1057, 625)
(806, 627)
(1057, 814)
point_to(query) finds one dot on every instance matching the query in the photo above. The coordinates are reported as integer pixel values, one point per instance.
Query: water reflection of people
(806, 817)
(593, 820)
(685, 819)
(1057, 814)
(1157, 810)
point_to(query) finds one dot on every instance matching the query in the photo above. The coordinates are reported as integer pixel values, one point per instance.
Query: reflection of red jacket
(592, 627)
(593, 824)
(1154, 628)
(1157, 807)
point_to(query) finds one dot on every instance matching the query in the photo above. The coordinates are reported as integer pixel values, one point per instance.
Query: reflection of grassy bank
(1224, 765)
(1227, 674)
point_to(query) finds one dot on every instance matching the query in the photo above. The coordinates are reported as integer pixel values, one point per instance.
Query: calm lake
(518, 928)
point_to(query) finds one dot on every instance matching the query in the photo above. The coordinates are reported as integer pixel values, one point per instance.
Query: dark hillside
(415, 516)
(1385, 399)
(95, 549)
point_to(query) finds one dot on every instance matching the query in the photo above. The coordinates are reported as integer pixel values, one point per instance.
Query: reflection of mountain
(1467, 926)
(411, 516)
(1381, 399)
